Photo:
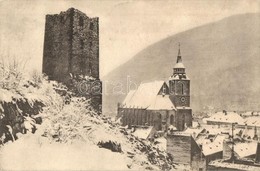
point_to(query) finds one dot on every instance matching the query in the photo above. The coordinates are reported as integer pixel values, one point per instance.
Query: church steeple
(179, 60)
(179, 67)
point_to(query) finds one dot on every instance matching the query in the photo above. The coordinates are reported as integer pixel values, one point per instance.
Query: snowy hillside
(44, 126)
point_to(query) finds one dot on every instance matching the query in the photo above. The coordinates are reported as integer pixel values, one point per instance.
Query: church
(159, 103)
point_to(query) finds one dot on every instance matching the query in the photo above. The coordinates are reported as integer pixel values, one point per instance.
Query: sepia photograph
(156, 85)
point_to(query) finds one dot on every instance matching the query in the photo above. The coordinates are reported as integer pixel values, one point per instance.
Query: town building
(160, 104)
(71, 51)
(184, 149)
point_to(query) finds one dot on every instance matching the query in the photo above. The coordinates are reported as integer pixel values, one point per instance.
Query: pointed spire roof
(179, 63)
(179, 52)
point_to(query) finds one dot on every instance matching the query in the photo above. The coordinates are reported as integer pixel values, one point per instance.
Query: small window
(81, 44)
(91, 26)
(164, 90)
(81, 22)
(90, 68)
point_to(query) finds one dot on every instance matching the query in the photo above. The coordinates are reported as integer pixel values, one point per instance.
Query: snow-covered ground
(33, 152)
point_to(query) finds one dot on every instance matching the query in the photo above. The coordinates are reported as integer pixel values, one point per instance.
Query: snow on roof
(230, 117)
(212, 148)
(162, 102)
(129, 97)
(225, 165)
(253, 121)
(245, 149)
(177, 77)
(250, 113)
(194, 131)
(147, 96)
(183, 107)
(179, 65)
(248, 133)
(142, 133)
(216, 146)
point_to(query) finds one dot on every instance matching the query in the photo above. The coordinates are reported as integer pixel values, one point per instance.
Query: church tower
(179, 85)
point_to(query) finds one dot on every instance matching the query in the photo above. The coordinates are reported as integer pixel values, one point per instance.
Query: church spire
(179, 53)
(179, 60)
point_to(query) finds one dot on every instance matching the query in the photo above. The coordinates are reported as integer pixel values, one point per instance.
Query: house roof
(245, 149)
(162, 102)
(253, 121)
(129, 97)
(229, 117)
(147, 97)
(194, 131)
(213, 147)
(142, 133)
(246, 133)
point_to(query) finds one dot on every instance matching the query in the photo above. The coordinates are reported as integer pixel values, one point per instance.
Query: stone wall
(134, 116)
(183, 117)
(185, 150)
(180, 148)
(179, 89)
(71, 45)
(71, 49)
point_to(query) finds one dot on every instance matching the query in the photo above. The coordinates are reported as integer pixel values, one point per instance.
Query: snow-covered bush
(67, 122)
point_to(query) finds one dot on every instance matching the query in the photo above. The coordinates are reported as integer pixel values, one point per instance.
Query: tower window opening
(81, 22)
(181, 88)
(81, 44)
(90, 68)
(91, 26)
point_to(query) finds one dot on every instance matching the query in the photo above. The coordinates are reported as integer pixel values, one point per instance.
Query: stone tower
(71, 47)
(179, 85)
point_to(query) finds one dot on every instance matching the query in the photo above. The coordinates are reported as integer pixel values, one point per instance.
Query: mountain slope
(221, 59)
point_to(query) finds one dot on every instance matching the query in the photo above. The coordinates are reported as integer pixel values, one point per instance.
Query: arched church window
(181, 87)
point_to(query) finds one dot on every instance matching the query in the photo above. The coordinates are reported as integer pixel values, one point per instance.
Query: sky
(126, 27)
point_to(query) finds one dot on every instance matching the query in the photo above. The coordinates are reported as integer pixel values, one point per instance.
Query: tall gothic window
(180, 87)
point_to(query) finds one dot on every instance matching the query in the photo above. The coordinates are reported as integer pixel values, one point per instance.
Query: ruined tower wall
(71, 45)
(85, 45)
(71, 48)
(57, 46)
